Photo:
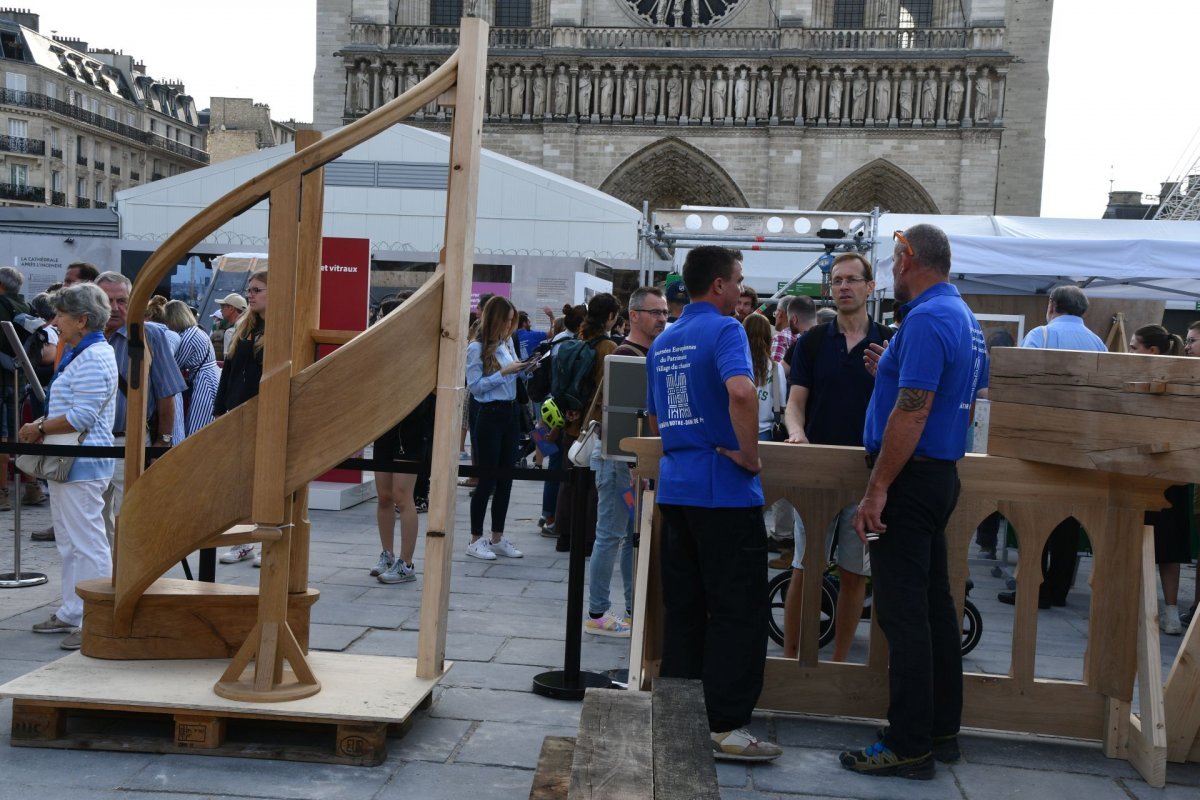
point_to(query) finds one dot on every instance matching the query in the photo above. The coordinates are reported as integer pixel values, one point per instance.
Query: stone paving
(481, 737)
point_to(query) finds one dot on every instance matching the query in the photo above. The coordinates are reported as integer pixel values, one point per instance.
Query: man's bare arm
(743, 413)
(794, 415)
(904, 428)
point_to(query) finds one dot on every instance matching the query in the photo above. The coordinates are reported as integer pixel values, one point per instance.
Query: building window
(81, 188)
(130, 120)
(14, 81)
(916, 14)
(514, 13)
(18, 129)
(80, 147)
(445, 12)
(99, 192)
(54, 138)
(848, 13)
(52, 90)
(18, 175)
(56, 182)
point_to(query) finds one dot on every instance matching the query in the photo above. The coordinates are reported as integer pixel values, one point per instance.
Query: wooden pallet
(82, 703)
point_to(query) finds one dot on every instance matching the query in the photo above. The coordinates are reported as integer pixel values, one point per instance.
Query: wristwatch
(166, 439)
(41, 423)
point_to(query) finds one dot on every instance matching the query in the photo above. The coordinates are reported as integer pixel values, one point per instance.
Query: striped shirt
(85, 394)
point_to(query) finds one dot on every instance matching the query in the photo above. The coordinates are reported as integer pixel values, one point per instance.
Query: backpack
(10, 306)
(539, 381)
(572, 385)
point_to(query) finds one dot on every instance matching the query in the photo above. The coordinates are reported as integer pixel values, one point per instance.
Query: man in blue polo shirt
(702, 401)
(916, 430)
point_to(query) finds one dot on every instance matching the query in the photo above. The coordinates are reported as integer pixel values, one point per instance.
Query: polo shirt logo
(677, 396)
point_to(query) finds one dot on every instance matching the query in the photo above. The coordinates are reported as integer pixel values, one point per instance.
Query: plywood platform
(169, 707)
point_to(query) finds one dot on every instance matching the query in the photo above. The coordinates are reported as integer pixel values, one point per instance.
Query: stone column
(685, 98)
(375, 68)
(775, 98)
(573, 98)
(872, 77)
(968, 115)
(639, 108)
(998, 87)
(893, 114)
(943, 85)
(821, 121)
(350, 92)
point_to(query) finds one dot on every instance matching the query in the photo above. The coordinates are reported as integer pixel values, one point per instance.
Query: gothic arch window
(849, 13)
(880, 183)
(916, 14)
(670, 173)
(445, 12)
(514, 13)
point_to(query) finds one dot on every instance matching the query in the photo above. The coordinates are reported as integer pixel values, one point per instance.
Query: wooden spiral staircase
(255, 462)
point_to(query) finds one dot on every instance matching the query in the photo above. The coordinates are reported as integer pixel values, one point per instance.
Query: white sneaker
(481, 549)
(239, 552)
(385, 562)
(505, 548)
(739, 745)
(608, 625)
(1169, 621)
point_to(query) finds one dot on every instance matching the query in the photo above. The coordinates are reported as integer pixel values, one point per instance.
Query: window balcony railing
(405, 37)
(135, 176)
(81, 160)
(20, 191)
(44, 103)
(99, 204)
(19, 144)
(99, 166)
(82, 202)
(58, 199)
(56, 152)
(115, 169)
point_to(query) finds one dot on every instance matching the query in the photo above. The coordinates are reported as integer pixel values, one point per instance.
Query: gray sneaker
(398, 572)
(53, 625)
(384, 563)
(73, 641)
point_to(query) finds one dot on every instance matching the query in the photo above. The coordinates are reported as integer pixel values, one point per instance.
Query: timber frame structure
(309, 415)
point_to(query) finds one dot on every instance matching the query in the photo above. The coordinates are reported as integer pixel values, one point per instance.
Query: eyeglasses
(654, 312)
(255, 290)
(899, 236)
(846, 281)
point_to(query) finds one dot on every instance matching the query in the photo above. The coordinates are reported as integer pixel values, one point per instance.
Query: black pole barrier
(570, 683)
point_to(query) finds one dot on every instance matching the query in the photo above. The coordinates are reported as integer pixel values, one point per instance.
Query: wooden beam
(613, 750)
(1182, 697)
(1147, 731)
(681, 746)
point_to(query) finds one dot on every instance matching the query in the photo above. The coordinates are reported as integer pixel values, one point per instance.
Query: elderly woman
(197, 361)
(82, 398)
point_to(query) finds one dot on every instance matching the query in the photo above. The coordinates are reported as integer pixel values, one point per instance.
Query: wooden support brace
(1147, 749)
(1182, 699)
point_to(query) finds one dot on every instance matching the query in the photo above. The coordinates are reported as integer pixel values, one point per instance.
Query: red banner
(345, 304)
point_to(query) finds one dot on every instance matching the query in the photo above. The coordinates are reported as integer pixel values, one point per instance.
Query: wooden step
(179, 619)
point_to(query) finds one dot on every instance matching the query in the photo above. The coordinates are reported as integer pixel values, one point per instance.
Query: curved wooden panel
(339, 405)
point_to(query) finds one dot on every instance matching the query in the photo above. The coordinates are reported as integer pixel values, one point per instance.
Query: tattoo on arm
(912, 400)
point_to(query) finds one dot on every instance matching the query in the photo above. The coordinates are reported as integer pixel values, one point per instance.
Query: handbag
(55, 467)
(581, 451)
(47, 467)
(779, 431)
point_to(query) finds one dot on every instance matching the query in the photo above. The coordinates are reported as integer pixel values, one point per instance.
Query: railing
(115, 169)
(99, 204)
(82, 202)
(98, 165)
(81, 160)
(393, 37)
(19, 144)
(56, 152)
(44, 103)
(20, 191)
(135, 176)
(58, 199)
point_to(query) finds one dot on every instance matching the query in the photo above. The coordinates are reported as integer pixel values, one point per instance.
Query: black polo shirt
(839, 386)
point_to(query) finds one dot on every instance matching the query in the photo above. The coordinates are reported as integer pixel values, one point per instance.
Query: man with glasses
(915, 432)
(827, 404)
(614, 526)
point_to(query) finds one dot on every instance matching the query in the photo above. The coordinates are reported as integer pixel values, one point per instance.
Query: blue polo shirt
(839, 386)
(687, 367)
(939, 347)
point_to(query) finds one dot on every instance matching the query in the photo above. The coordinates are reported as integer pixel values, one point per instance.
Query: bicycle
(972, 625)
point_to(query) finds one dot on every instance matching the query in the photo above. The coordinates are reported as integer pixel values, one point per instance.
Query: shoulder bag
(54, 467)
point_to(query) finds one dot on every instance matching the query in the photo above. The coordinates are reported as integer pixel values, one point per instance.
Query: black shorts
(1172, 531)
(399, 444)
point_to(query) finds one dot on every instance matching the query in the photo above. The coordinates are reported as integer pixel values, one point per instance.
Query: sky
(1121, 106)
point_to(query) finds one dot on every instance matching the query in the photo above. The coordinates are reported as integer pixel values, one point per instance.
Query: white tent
(1143, 259)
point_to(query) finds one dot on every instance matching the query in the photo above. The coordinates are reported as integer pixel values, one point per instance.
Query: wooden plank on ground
(552, 778)
(683, 760)
(612, 753)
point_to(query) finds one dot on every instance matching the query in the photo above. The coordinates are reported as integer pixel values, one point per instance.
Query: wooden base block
(180, 619)
(289, 688)
(169, 707)
(552, 779)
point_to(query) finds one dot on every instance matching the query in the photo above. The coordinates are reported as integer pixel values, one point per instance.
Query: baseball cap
(677, 293)
(233, 299)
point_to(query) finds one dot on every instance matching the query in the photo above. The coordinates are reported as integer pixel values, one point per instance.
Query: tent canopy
(1144, 259)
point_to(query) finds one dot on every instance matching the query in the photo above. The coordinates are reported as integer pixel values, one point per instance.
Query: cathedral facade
(919, 106)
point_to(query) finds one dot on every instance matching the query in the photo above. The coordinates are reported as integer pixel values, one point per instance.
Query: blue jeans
(614, 533)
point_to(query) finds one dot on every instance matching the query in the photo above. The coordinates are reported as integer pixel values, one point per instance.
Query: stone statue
(539, 93)
(585, 93)
(906, 96)
(629, 107)
(883, 96)
(787, 95)
(983, 96)
(929, 97)
(812, 95)
(858, 98)
(387, 86)
(410, 77)
(835, 97)
(719, 88)
(674, 95)
(762, 95)
(651, 94)
(562, 87)
(606, 94)
(496, 91)
(954, 98)
(516, 98)
(696, 106)
(362, 80)
(741, 95)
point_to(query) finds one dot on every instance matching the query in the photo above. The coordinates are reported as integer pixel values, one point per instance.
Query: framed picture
(1002, 330)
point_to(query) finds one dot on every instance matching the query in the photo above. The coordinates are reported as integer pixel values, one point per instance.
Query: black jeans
(714, 578)
(1058, 562)
(494, 441)
(916, 612)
